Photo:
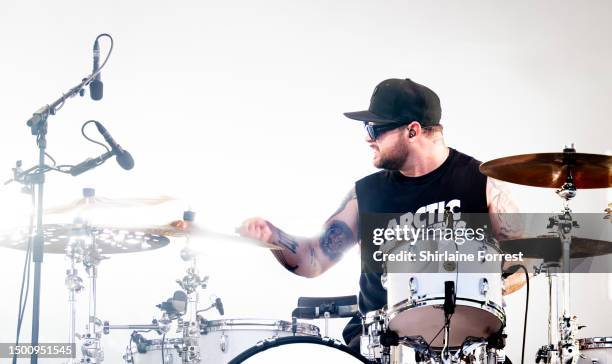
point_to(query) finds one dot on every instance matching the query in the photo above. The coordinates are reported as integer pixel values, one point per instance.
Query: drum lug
(223, 343)
(484, 286)
(482, 252)
(414, 285)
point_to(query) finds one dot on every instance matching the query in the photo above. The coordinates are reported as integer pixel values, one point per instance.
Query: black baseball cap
(401, 102)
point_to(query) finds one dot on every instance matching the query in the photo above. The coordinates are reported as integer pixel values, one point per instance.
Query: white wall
(235, 107)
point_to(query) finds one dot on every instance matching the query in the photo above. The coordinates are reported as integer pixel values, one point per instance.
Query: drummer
(419, 173)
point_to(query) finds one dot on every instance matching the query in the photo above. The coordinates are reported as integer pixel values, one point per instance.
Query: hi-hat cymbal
(549, 247)
(105, 239)
(551, 169)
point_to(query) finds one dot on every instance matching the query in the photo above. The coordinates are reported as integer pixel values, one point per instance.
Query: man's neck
(429, 158)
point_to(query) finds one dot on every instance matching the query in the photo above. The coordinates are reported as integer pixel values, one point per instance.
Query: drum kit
(419, 324)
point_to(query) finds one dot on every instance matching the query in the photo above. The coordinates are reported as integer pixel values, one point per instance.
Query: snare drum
(415, 299)
(222, 340)
(595, 350)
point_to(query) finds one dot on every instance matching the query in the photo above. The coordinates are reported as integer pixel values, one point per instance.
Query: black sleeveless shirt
(457, 183)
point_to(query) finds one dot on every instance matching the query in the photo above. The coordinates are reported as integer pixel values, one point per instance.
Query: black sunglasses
(374, 131)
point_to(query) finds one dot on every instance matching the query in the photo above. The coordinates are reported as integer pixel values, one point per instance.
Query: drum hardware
(175, 306)
(161, 326)
(381, 345)
(192, 281)
(595, 350)
(568, 343)
(91, 346)
(74, 284)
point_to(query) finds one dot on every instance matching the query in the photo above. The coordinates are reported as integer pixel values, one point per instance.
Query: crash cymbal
(102, 204)
(548, 247)
(107, 240)
(551, 169)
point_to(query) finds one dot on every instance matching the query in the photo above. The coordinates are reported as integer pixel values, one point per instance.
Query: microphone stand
(38, 125)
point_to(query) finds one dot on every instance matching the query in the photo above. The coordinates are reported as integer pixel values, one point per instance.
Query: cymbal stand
(568, 351)
(548, 353)
(190, 283)
(74, 284)
(91, 348)
(568, 342)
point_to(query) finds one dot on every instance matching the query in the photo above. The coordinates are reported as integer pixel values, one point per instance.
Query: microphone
(219, 306)
(96, 87)
(449, 298)
(124, 158)
(90, 163)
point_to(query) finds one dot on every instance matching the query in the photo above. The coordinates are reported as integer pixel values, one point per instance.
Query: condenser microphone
(219, 306)
(449, 298)
(124, 158)
(96, 88)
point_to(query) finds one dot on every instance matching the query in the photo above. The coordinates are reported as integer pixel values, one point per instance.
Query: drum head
(427, 321)
(299, 350)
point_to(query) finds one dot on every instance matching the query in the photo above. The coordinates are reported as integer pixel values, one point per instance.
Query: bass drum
(299, 350)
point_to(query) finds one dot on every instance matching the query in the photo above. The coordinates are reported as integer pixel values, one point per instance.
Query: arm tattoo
(336, 239)
(505, 213)
(287, 242)
(281, 258)
(312, 257)
(352, 195)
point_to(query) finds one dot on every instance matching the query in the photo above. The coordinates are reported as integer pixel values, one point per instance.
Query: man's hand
(259, 229)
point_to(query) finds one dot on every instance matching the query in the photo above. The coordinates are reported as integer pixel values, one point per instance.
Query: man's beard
(393, 160)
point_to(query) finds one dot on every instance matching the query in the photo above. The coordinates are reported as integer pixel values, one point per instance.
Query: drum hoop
(272, 343)
(258, 324)
(405, 305)
(168, 344)
(490, 244)
(595, 343)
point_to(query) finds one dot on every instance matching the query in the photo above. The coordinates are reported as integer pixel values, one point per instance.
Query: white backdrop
(235, 108)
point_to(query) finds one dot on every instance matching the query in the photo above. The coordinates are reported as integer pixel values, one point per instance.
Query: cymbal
(549, 247)
(96, 203)
(551, 169)
(194, 232)
(105, 239)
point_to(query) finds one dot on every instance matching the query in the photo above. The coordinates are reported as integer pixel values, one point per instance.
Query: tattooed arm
(310, 257)
(503, 211)
(507, 224)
